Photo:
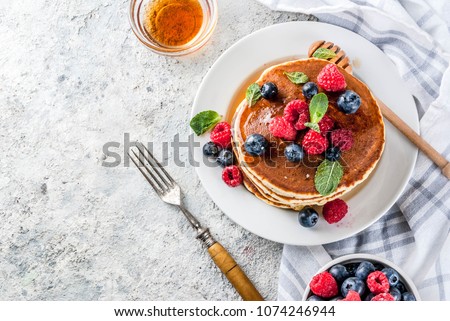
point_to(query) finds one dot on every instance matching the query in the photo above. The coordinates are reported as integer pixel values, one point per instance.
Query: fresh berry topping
(339, 272)
(391, 275)
(293, 109)
(294, 153)
(309, 90)
(314, 143)
(366, 281)
(383, 297)
(269, 90)
(211, 150)
(378, 266)
(342, 138)
(333, 154)
(349, 102)
(353, 283)
(326, 124)
(331, 79)
(377, 282)
(407, 296)
(308, 217)
(256, 144)
(225, 158)
(302, 119)
(396, 294)
(297, 113)
(314, 298)
(221, 134)
(324, 285)
(369, 297)
(232, 176)
(401, 286)
(364, 269)
(352, 296)
(334, 211)
(280, 128)
(351, 268)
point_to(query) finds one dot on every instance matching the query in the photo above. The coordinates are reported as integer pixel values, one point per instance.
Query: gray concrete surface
(73, 77)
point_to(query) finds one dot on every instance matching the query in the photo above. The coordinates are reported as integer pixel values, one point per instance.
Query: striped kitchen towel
(414, 233)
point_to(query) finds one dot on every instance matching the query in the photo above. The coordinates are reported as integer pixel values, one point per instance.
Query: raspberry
(331, 79)
(314, 143)
(352, 296)
(326, 124)
(280, 127)
(342, 138)
(232, 176)
(324, 285)
(334, 211)
(297, 113)
(377, 282)
(383, 297)
(302, 119)
(221, 134)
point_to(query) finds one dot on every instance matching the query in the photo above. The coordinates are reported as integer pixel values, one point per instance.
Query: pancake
(293, 202)
(284, 184)
(250, 187)
(260, 191)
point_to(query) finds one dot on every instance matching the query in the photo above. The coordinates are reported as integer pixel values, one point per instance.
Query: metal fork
(170, 192)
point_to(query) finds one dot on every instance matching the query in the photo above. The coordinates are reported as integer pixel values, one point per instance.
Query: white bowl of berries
(361, 277)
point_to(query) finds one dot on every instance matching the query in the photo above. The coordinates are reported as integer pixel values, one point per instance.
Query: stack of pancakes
(284, 184)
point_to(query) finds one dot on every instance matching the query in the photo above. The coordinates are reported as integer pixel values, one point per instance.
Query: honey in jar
(173, 22)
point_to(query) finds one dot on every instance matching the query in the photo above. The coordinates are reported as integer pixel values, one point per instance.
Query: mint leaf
(297, 77)
(313, 126)
(253, 94)
(324, 53)
(204, 121)
(318, 107)
(328, 176)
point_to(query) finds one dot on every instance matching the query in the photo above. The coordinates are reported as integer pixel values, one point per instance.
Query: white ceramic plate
(288, 41)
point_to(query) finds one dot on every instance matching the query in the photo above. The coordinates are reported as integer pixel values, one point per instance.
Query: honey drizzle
(173, 22)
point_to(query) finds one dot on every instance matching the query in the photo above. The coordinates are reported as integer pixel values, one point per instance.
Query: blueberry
(256, 144)
(351, 268)
(396, 294)
(294, 153)
(364, 269)
(407, 296)
(269, 90)
(391, 275)
(339, 272)
(225, 158)
(378, 266)
(369, 297)
(314, 298)
(401, 286)
(308, 217)
(333, 154)
(353, 283)
(349, 102)
(309, 90)
(211, 150)
(337, 298)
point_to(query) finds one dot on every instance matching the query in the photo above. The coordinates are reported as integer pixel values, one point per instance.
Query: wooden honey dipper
(342, 61)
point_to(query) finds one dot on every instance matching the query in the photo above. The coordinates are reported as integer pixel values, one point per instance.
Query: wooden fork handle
(426, 148)
(234, 273)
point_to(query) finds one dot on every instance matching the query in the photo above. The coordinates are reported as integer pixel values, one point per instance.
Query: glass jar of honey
(173, 27)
